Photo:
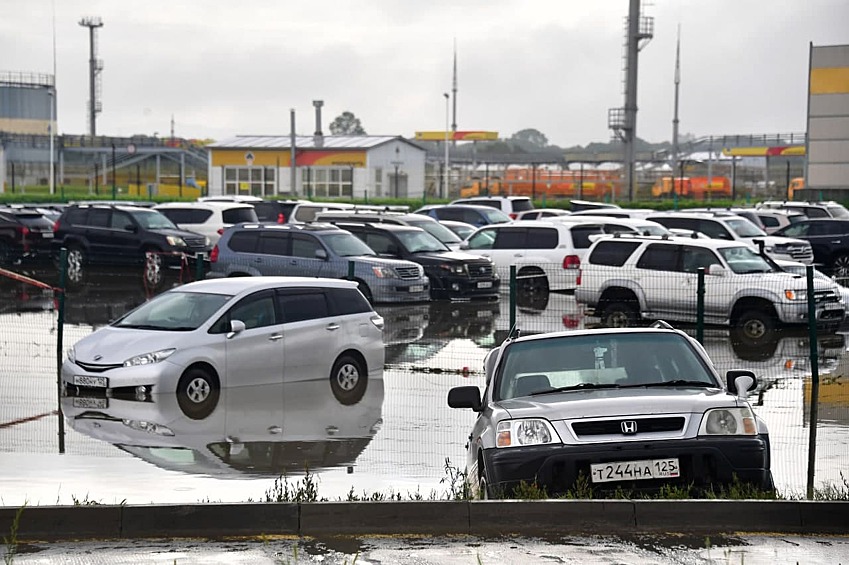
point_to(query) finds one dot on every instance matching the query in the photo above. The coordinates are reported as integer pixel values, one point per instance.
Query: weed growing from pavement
(12, 541)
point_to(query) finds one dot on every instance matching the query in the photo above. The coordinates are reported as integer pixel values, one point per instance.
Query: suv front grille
(408, 273)
(92, 368)
(196, 242)
(804, 254)
(614, 427)
(480, 270)
(823, 296)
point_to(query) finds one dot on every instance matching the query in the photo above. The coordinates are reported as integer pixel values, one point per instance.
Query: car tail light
(571, 262)
(220, 231)
(213, 255)
(281, 219)
(55, 226)
(570, 321)
(513, 215)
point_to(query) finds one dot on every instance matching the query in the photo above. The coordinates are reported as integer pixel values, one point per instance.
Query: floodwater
(401, 440)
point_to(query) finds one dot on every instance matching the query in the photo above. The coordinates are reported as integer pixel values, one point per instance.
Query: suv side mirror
(741, 382)
(465, 397)
(131, 228)
(716, 270)
(321, 254)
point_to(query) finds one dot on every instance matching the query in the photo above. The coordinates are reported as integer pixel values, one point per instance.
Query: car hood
(618, 403)
(450, 257)
(382, 261)
(777, 240)
(116, 345)
(176, 232)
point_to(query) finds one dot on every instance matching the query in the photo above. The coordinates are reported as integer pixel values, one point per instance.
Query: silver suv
(317, 250)
(629, 278)
(616, 410)
(510, 205)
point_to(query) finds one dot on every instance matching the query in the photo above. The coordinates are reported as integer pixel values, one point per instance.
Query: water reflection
(257, 430)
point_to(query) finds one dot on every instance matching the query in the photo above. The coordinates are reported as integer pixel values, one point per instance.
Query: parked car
(750, 214)
(24, 234)
(510, 205)
(630, 278)
(430, 225)
(775, 219)
(276, 211)
(637, 410)
(475, 215)
(616, 212)
(453, 274)
(113, 234)
(611, 225)
(540, 213)
(734, 228)
(210, 218)
(829, 239)
(317, 250)
(546, 254)
(198, 338)
(581, 205)
(462, 229)
(829, 209)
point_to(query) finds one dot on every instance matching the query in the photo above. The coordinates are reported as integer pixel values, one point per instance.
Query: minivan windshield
(347, 245)
(174, 311)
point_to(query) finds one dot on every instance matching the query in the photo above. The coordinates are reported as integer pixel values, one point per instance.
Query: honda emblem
(628, 427)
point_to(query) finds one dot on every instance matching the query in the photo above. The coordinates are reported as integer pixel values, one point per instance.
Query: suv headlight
(175, 241)
(728, 422)
(791, 294)
(385, 272)
(454, 269)
(520, 433)
(148, 358)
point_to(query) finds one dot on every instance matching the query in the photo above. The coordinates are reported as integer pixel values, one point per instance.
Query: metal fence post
(512, 297)
(700, 306)
(815, 379)
(60, 330)
(199, 274)
(350, 270)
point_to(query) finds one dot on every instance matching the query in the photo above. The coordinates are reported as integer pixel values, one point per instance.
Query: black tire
(755, 325)
(197, 393)
(76, 266)
(619, 315)
(840, 267)
(154, 274)
(484, 492)
(348, 379)
(363, 287)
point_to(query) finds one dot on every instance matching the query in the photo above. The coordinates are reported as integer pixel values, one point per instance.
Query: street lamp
(113, 171)
(445, 94)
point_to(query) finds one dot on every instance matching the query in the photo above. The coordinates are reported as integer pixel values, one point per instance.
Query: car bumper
(122, 382)
(704, 462)
(401, 291)
(464, 287)
(831, 313)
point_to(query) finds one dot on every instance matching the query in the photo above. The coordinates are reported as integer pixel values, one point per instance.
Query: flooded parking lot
(400, 440)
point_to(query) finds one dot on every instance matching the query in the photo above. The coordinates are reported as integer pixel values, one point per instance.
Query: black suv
(452, 274)
(829, 238)
(430, 225)
(24, 234)
(111, 234)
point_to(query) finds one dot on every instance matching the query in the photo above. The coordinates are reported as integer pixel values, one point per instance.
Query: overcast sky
(225, 68)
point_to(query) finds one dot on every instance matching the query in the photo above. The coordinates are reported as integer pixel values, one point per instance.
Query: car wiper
(580, 386)
(683, 382)
(142, 327)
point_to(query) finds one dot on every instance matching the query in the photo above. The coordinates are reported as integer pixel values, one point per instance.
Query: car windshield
(153, 220)
(494, 216)
(744, 260)
(744, 228)
(838, 211)
(437, 230)
(419, 241)
(347, 245)
(584, 362)
(174, 311)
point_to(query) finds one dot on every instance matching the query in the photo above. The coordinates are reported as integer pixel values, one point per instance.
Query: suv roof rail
(662, 325)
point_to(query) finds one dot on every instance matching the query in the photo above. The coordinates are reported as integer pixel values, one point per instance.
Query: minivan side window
(659, 257)
(612, 253)
(347, 301)
(256, 310)
(302, 305)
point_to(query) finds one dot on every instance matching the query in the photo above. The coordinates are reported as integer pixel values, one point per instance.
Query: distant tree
(530, 138)
(347, 124)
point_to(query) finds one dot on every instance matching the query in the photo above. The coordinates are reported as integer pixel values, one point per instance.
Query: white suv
(735, 228)
(628, 278)
(510, 205)
(547, 254)
(209, 218)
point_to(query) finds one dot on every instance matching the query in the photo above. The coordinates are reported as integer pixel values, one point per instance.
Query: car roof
(484, 198)
(380, 226)
(679, 239)
(307, 227)
(596, 332)
(237, 285)
(205, 205)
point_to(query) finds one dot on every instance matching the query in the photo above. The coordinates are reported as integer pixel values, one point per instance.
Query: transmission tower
(95, 66)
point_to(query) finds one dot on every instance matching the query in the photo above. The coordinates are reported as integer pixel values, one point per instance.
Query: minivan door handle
(332, 326)
(275, 337)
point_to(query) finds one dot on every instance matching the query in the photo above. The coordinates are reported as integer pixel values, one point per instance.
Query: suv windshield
(496, 216)
(347, 245)
(574, 363)
(744, 260)
(437, 230)
(152, 220)
(838, 211)
(744, 228)
(420, 241)
(174, 311)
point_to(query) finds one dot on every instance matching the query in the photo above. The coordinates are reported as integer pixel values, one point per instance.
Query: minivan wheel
(755, 325)
(197, 393)
(76, 265)
(619, 315)
(348, 380)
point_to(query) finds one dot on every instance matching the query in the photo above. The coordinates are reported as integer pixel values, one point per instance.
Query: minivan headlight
(175, 241)
(521, 433)
(148, 358)
(728, 422)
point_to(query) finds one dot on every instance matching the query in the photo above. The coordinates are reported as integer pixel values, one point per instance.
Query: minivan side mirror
(236, 327)
(465, 397)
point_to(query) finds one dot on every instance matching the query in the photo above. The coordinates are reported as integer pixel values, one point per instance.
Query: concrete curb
(480, 518)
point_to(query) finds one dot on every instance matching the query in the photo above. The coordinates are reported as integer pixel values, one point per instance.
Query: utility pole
(95, 66)
(454, 97)
(677, 84)
(293, 178)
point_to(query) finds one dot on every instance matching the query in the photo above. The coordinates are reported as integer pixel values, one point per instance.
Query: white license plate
(47, 235)
(99, 403)
(416, 288)
(485, 284)
(84, 380)
(635, 470)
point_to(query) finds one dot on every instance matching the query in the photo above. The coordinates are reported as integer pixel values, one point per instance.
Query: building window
(256, 181)
(378, 181)
(333, 182)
